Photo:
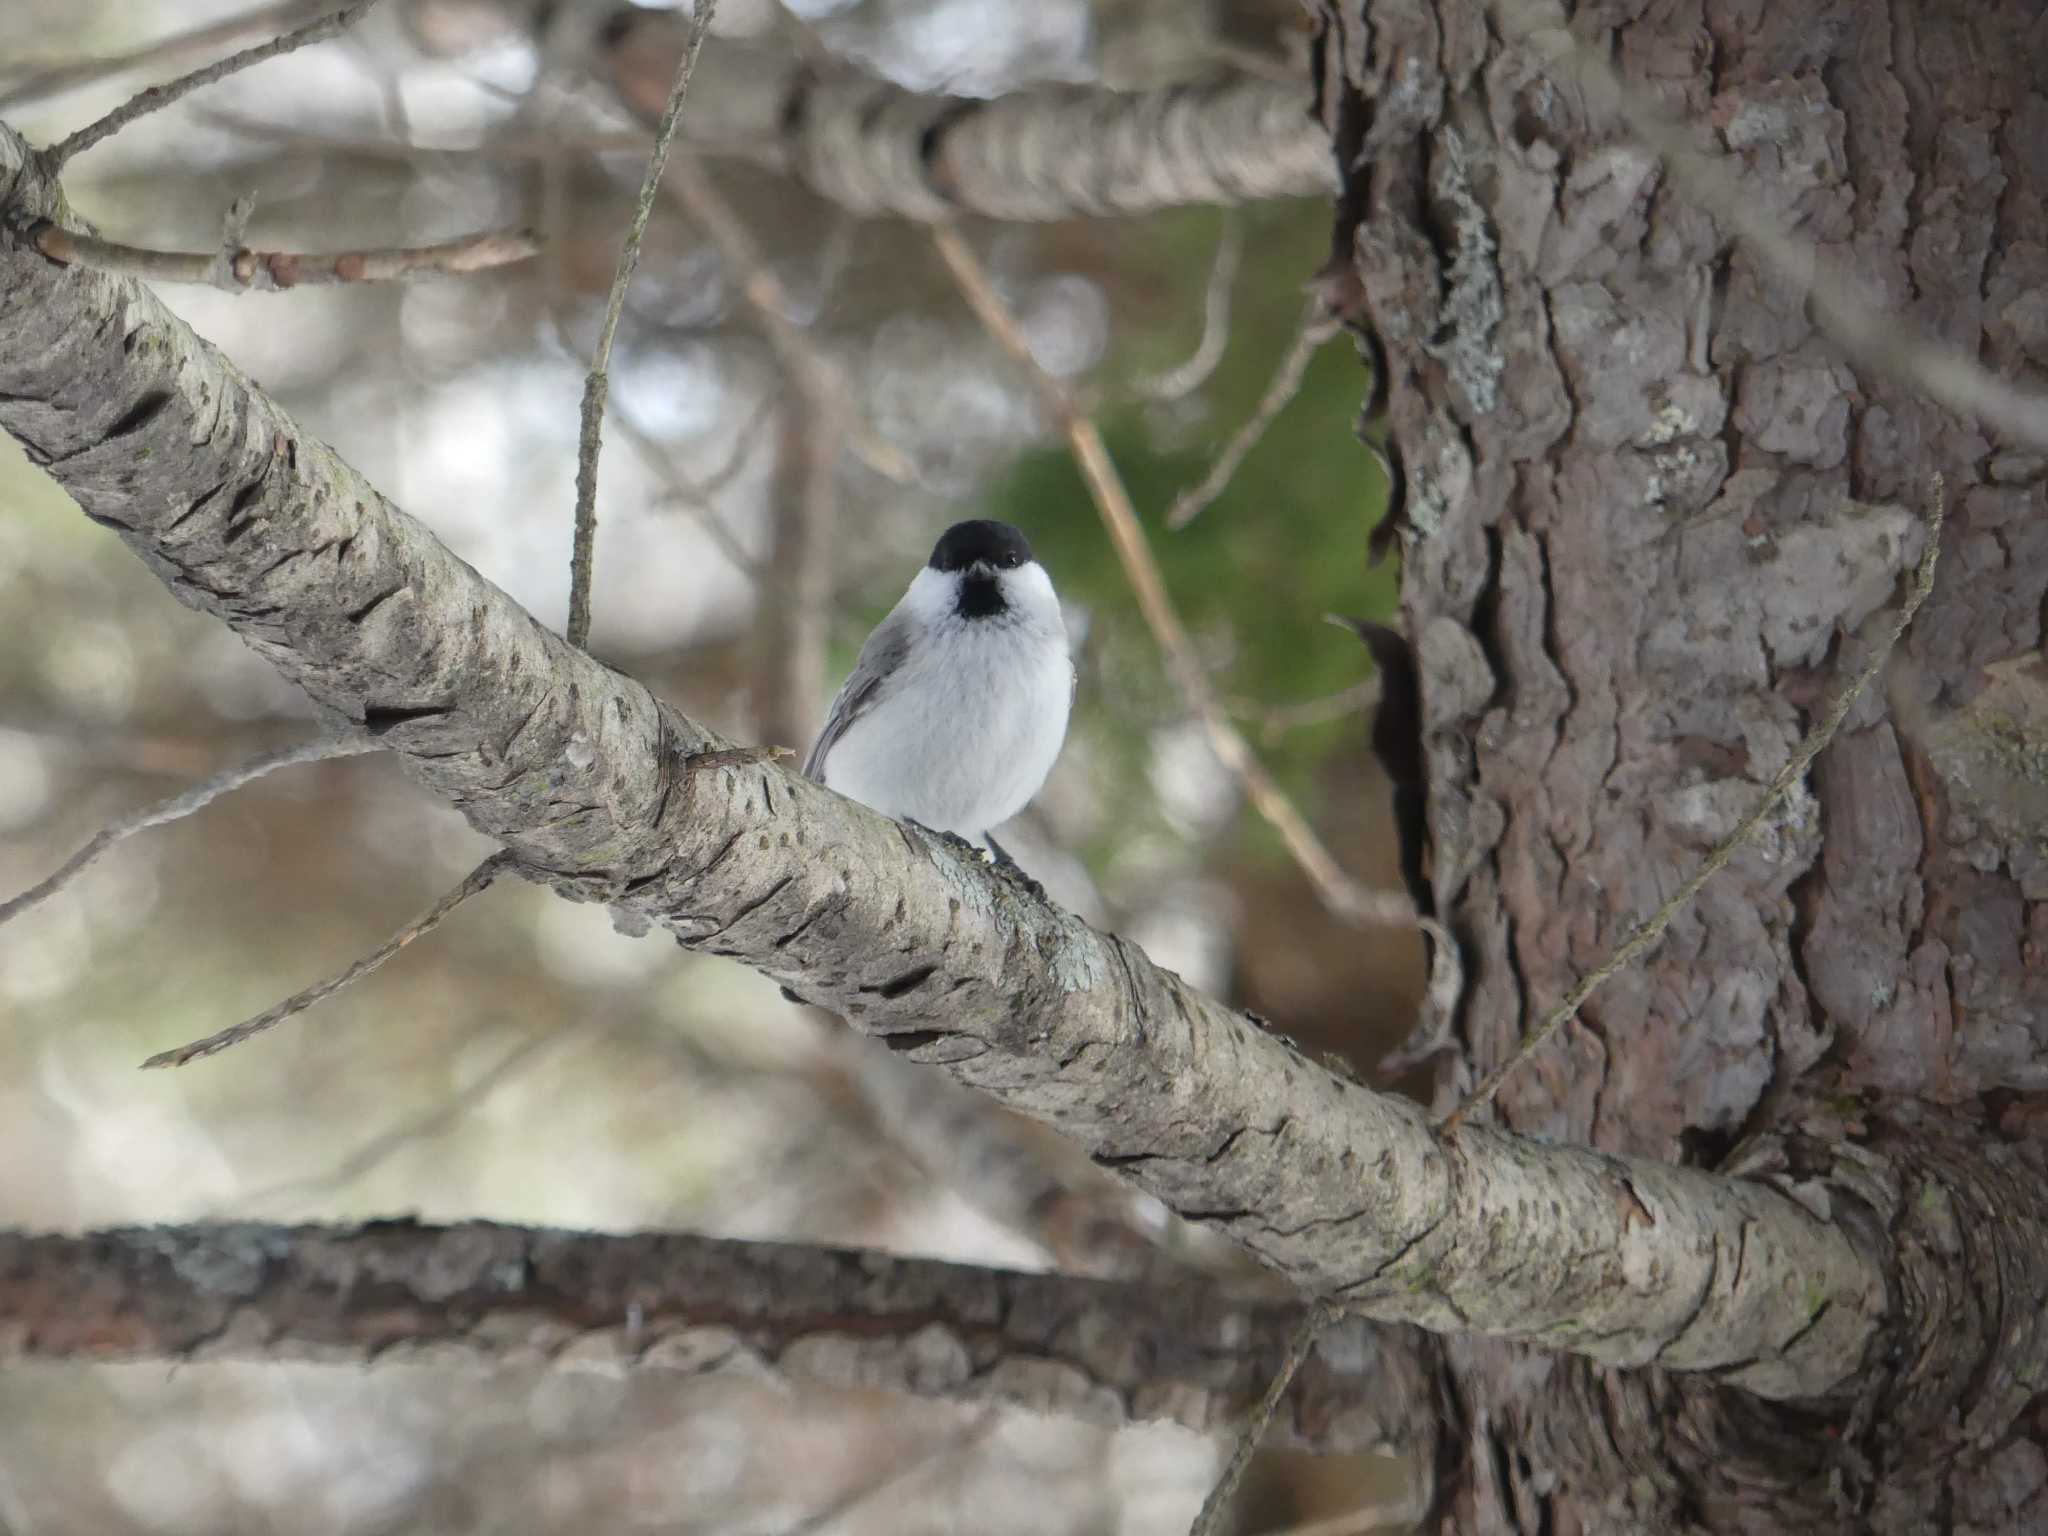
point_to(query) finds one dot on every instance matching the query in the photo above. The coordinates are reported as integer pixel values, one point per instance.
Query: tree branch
(474, 883)
(611, 796)
(157, 97)
(242, 270)
(176, 808)
(56, 78)
(485, 1295)
(597, 384)
(874, 148)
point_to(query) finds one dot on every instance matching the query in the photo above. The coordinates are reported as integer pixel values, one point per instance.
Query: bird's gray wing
(865, 687)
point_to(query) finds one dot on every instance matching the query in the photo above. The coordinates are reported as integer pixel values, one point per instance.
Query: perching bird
(958, 703)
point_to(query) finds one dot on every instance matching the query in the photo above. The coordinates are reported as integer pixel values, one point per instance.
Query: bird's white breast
(970, 725)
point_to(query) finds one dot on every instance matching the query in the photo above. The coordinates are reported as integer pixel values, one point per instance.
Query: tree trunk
(1648, 505)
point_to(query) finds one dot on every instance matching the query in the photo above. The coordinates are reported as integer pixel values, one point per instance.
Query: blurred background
(526, 1063)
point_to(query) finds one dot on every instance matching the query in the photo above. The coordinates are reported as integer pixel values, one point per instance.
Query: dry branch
(56, 78)
(1050, 152)
(157, 97)
(178, 807)
(242, 270)
(597, 384)
(497, 1297)
(610, 796)
(474, 883)
(1185, 378)
(1316, 328)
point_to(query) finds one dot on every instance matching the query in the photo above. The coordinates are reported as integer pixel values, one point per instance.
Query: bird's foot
(953, 840)
(1011, 870)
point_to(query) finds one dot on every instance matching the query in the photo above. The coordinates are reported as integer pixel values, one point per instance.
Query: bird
(957, 706)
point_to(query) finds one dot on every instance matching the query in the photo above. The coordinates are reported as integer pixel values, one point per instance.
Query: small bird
(958, 703)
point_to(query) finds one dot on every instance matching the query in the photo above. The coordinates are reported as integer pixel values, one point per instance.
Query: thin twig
(1317, 327)
(1210, 1519)
(694, 496)
(1339, 892)
(158, 97)
(597, 386)
(179, 806)
(241, 270)
(1276, 720)
(1179, 382)
(816, 374)
(56, 79)
(508, 148)
(1647, 933)
(477, 880)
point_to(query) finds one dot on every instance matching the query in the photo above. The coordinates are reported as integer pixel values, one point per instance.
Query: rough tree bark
(611, 796)
(1644, 503)
(1648, 504)
(484, 1295)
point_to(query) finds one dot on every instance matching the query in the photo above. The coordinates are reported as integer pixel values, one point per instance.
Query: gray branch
(612, 796)
(484, 1295)
(874, 148)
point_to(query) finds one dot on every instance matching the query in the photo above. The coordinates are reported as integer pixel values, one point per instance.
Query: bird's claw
(995, 855)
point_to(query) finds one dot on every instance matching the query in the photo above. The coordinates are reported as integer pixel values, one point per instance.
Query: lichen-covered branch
(484, 1295)
(612, 796)
(1052, 152)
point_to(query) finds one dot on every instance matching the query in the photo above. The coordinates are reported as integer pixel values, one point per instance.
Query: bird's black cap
(964, 543)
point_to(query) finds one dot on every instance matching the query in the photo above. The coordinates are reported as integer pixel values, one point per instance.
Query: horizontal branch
(491, 1296)
(613, 797)
(242, 270)
(1052, 152)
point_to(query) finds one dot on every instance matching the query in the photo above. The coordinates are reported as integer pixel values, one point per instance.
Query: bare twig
(59, 78)
(1276, 720)
(241, 270)
(1651, 929)
(1339, 892)
(157, 97)
(816, 374)
(1175, 383)
(694, 496)
(497, 150)
(179, 806)
(474, 882)
(1210, 1518)
(597, 386)
(1949, 377)
(1317, 327)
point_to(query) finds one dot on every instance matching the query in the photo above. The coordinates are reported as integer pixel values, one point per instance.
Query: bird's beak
(981, 570)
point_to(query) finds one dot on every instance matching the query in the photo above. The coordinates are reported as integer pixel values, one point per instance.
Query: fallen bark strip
(611, 796)
(497, 1297)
